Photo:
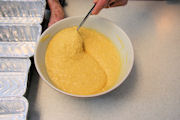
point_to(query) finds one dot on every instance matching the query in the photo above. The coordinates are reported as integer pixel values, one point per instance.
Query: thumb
(99, 5)
(95, 1)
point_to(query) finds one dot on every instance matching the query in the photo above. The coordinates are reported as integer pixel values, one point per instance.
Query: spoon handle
(86, 17)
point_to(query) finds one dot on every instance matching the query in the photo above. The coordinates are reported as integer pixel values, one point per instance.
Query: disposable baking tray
(22, 11)
(18, 40)
(13, 108)
(13, 76)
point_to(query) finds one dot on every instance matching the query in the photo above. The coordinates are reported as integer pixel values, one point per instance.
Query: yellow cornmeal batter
(82, 63)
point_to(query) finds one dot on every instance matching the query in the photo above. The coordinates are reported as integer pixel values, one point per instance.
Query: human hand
(57, 12)
(100, 4)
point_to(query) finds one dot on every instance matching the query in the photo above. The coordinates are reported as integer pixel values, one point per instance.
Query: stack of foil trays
(20, 29)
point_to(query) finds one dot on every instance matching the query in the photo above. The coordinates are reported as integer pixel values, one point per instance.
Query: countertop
(152, 90)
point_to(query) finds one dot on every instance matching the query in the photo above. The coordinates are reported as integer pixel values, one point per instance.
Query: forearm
(57, 12)
(54, 5)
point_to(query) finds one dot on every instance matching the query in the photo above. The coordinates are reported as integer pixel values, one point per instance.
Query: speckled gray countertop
(151, 92)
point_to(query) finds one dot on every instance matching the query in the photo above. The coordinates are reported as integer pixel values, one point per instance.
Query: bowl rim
(84, 96)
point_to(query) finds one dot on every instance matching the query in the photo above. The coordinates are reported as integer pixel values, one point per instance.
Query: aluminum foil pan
(22, 11)
(13, 108)
(18, 40)
(13, 76)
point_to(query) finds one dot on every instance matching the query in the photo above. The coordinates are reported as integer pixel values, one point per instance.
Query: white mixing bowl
(116, 35)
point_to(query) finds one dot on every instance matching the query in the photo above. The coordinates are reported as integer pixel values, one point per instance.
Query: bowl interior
(116, 35)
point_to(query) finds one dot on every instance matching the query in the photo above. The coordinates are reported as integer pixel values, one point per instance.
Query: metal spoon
(86, 17)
